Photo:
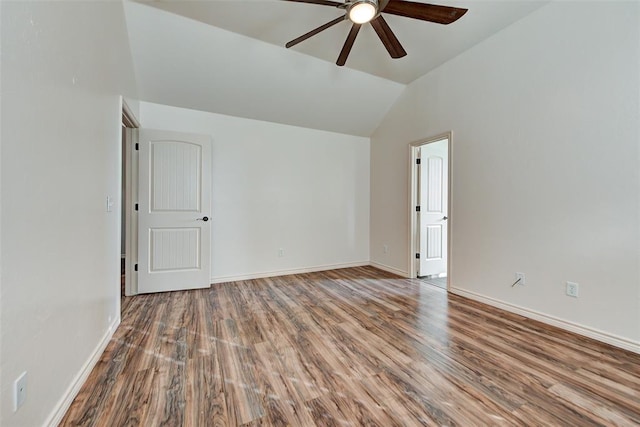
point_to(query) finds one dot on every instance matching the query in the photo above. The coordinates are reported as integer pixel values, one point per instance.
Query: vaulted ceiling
(228, 57)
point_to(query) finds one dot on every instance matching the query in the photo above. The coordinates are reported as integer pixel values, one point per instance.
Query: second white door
(433, 201)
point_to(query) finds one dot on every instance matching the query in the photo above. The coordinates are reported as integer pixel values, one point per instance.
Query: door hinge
(417, 257)
(136, 206)
(137, 147)
(135, 267)
(417, 209)
(417, 161)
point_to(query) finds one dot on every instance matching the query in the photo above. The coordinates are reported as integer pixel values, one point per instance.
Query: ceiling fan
(360, 12)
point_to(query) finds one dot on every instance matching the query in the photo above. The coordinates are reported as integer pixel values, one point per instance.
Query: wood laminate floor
(345, 348)
(440, 282)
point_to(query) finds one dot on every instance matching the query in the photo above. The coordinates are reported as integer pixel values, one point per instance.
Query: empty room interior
(318, 212)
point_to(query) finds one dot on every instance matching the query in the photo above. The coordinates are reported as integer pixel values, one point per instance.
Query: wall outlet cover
(573, 289)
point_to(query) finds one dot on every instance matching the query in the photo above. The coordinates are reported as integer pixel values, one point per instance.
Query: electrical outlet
(19, 391)
(280, 252)
(520, 279)
(573, 289)
(385, 249)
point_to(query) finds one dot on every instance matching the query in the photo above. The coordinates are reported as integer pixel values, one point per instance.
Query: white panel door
(433, 200)
(174, 227)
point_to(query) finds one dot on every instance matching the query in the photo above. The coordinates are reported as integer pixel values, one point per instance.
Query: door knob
(204, 218)
(444, 218)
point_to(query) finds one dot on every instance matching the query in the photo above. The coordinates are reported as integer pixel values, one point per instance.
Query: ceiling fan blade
(320, 2)
(425, 12)
(316, 31)
(348, 44)
(389, 40)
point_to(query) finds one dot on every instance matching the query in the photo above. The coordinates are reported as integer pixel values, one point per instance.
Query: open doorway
(129, 125)
(430, 205)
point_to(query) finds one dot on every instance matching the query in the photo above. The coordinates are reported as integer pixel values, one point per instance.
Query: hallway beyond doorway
(440, 282)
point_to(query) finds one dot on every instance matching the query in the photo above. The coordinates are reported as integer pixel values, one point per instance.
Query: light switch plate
(19, 391)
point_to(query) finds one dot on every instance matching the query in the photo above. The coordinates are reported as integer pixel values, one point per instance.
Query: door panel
(176, 171)
(433, 242)
(174, 197)
(434, 185)
(433, 199)
(174, 249)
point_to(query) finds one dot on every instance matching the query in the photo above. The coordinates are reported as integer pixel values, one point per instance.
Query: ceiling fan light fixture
(363, 11)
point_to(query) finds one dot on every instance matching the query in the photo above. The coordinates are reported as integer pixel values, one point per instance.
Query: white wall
(277, 186)
(545, 178)
(64, 65)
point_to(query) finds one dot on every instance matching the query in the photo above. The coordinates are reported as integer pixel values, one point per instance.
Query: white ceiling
(228, 57)
(428, 45)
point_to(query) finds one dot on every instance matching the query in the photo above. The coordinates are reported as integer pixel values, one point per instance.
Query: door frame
(414, 186)
(130, 219)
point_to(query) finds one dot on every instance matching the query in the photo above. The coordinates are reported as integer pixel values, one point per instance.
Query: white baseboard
(265, 274)
(72, 391)
(586, 331)
(389, 269)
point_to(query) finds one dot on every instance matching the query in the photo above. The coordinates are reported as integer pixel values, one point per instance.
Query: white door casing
(174, 227)
(433, 202)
